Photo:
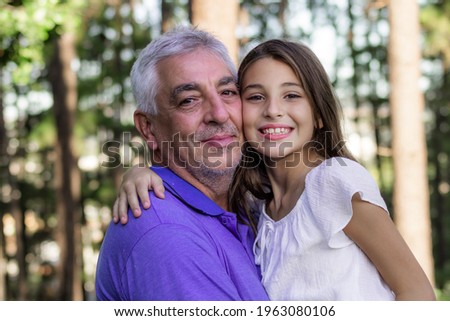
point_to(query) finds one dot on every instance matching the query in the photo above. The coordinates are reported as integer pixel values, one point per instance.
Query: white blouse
(306, 255)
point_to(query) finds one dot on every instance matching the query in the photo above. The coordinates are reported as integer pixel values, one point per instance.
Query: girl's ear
(145, 128)
(319, 123)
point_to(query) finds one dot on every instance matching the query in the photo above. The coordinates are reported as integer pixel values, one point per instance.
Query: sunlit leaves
(26, 29)
(436, 21)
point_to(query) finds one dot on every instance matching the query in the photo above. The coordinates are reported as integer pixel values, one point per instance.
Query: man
(188, 247)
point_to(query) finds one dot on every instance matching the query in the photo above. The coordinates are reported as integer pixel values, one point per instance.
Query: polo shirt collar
(187, 193)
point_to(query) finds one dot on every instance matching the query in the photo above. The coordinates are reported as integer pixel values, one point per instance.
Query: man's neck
(214, 183)
(216, 189)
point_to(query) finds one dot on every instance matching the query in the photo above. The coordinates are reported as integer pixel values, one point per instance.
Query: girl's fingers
(115, 211)
(123, 207)
(129, 197)
(157, 185)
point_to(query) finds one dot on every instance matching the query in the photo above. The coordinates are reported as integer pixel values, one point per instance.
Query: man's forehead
(194, 60)
(193, 71)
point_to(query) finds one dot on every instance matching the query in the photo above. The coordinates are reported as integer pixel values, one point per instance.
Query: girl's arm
(136, 183)
(375, 233)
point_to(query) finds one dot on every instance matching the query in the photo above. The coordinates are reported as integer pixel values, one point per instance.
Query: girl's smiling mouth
(273, 132)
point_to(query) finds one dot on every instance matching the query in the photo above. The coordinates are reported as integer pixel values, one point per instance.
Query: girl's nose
(273, 110)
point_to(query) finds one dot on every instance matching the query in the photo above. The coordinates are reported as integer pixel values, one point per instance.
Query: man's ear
(145, 128)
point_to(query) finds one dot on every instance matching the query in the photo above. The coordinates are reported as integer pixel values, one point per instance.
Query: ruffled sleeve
(329, 191)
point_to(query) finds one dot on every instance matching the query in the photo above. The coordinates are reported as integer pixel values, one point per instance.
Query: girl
(323, 229)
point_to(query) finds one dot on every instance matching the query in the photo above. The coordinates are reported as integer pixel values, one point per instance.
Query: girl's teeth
(275, 131)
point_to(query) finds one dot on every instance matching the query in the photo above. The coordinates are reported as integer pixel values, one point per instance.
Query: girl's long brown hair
(328, 140)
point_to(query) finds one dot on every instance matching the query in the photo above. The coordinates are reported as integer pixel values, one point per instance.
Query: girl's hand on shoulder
(136, 183)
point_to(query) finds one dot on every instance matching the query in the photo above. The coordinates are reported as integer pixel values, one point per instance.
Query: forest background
(67, 136)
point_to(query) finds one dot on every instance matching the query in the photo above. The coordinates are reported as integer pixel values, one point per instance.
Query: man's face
(198, 125)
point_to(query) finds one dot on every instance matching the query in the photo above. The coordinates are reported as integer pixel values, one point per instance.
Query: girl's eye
(255, 98)
(292, 96)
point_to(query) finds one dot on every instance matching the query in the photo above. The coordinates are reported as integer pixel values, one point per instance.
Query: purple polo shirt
(184, 247)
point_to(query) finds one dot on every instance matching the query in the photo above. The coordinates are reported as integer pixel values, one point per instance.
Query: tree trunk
(4, 173)
(167, 18)
(282, 17)
(356, 77)
(220, 17)
(411, 195)
(438, 141)
(18, 214)
(14, 207)
(67, 176)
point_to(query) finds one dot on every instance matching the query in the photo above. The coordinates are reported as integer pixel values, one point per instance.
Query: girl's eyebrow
(257, 86)
(285, 84)
(288, 84)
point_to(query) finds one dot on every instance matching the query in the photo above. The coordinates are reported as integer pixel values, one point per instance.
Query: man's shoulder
(163, 214)
(170, 210)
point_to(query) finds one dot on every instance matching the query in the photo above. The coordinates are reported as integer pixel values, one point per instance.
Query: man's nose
(216, 110)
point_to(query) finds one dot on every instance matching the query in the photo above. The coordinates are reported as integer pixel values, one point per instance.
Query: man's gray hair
(179, 41)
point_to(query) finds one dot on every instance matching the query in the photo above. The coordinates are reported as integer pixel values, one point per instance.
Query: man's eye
(230, 92)
(186, 102)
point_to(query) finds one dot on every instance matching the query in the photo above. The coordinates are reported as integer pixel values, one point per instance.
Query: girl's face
(278, 120)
